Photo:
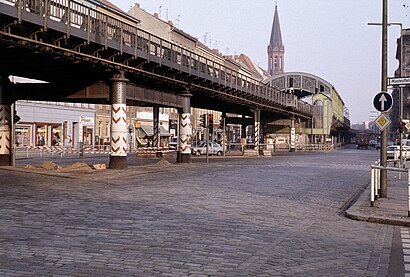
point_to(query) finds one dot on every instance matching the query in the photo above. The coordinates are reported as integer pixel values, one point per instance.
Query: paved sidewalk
(391, 210)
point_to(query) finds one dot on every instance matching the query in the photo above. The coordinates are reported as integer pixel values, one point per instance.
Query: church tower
(276, 50)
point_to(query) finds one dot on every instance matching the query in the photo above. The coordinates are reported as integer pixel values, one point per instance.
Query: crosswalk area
(405, 240)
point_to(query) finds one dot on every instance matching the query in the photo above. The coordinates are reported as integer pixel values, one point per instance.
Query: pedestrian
(25, 140)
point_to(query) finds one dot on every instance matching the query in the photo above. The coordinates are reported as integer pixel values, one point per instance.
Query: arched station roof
(300, 83)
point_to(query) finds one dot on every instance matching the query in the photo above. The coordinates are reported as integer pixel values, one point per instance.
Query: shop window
(57, 135)
(23, 136)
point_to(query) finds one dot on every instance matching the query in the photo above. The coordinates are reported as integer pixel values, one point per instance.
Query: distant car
(213, 149)
(393, 151)
(173, 143)
(390, 151)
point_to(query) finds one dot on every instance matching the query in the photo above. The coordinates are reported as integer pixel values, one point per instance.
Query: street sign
(383, 101)
(399, 81)
(382, 121)
(406, 123)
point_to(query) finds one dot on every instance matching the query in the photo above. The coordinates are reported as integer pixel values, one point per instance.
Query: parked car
(213, 149)
(393, 151)
(173, 143)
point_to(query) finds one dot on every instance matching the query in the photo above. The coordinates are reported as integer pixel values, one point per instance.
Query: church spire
(276, 50)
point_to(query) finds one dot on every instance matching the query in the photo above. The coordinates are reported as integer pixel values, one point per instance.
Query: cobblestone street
(266, 216)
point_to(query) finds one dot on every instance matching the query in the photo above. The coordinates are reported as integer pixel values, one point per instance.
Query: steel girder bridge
(95, 53)
(325, 99)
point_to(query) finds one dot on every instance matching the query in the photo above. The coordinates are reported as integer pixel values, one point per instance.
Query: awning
(149, 131)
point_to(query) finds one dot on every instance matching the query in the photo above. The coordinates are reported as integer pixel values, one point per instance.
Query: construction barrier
(94, 150)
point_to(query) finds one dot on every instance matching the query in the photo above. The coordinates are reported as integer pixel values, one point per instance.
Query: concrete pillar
(185, 131)
(156, 137)
(257, 118)
(243, 128)
(49, 137)
(5, 126)
(119, 132)
(292, 135)
(243, 134)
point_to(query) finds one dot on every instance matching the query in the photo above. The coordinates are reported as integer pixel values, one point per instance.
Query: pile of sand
(99, 166)
(49, 166)
(77, 166)
(163, 162)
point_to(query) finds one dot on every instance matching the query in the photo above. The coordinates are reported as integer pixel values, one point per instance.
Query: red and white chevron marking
(119, 130)
(257, 133)
(186, 149)
(292, 138)
(5, 114)
(185, 133)
(5, 140)
(186, 125)
(156, 137)
(119, 114)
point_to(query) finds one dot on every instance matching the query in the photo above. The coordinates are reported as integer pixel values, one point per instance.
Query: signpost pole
(401, 131)
(383, 145)
(207, 137)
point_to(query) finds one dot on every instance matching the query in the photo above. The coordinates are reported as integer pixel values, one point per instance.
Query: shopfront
(23, 135)
(46, 124)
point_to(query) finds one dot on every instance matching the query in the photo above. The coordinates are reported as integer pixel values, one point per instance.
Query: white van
(280, 140)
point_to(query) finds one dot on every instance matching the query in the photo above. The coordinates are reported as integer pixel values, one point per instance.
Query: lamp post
(383, 144)
(401, 86)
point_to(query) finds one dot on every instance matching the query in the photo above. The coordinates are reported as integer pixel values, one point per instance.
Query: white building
(51, 123)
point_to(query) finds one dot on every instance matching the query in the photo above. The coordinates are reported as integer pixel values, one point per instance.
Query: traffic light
(221, 123)
(17, 118)
(401, 125)
(211, 123)
(202, 120)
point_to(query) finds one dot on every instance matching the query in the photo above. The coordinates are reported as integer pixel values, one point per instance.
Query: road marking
(405, 241)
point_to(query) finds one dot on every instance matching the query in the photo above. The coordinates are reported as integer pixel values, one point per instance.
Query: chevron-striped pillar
(119, 132)
(292, 135)
(156, 137)
(185, 131)
(5, 126)
(257, 118)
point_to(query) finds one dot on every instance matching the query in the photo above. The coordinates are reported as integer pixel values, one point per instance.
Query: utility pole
(207, 137)
(383, 145)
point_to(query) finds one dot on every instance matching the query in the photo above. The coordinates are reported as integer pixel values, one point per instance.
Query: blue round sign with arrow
(383, 102)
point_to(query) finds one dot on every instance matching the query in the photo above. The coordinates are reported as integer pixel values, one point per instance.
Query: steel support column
(119, 132)
(5, 125)
(156, 132)
(243, 128)
(292, 135)
(185, 131)
(243, 134)
(383, 143)
(257, 118)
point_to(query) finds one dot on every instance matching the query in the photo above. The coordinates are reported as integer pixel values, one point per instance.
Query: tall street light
(401, 75)
(383, 144)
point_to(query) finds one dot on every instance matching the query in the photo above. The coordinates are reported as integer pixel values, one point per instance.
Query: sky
(327, 38)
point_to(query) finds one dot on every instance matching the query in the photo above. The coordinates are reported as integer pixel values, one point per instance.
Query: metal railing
(118, 30)
(282, 147)
(375, 182)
